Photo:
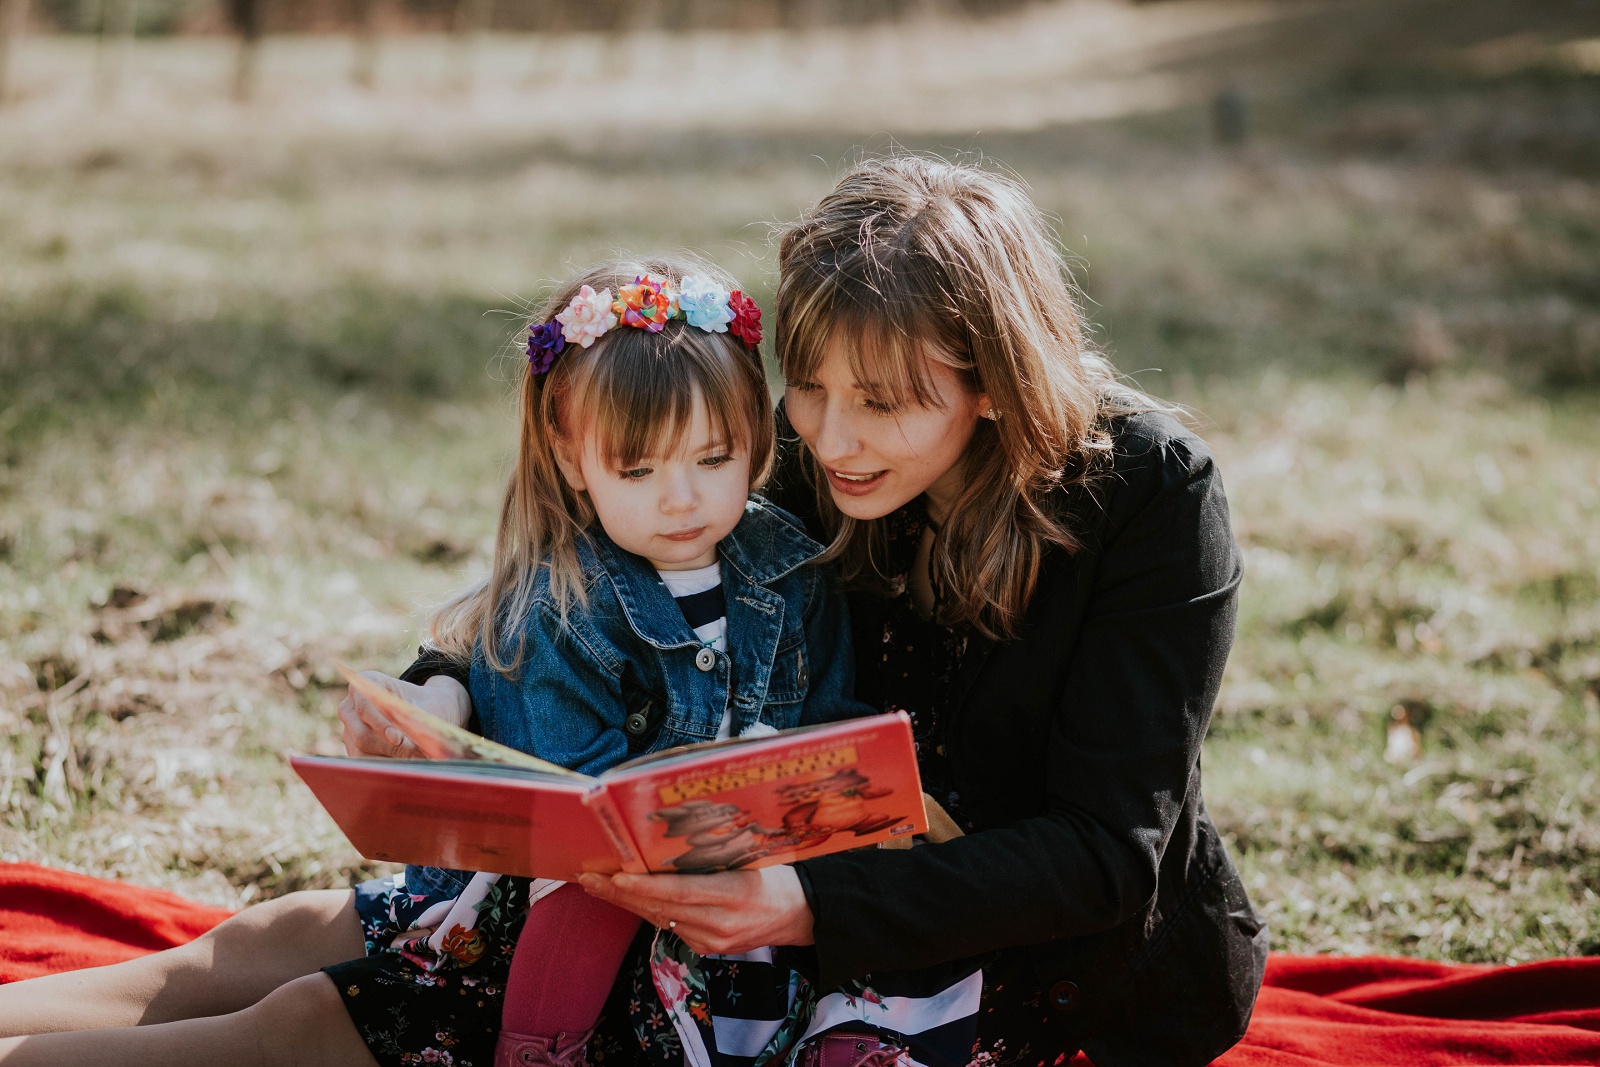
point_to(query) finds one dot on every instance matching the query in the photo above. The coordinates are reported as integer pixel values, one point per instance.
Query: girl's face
(672, 508)
(878, 458)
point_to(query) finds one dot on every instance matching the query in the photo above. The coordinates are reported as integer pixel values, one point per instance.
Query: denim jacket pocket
(789, 682)
(437, 883)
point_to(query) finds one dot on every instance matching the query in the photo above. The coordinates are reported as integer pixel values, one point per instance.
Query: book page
(774, 799)
(440, 740)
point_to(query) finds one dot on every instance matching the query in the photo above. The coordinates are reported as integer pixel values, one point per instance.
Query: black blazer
(1076, 750)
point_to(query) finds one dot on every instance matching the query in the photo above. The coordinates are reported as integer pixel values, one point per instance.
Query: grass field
(253, 417)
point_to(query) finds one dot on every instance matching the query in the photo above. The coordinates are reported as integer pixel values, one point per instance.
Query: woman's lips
(685, 535)
(852, 484)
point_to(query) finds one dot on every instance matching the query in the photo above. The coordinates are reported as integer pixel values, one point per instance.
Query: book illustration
(720, 836)
(724, 836)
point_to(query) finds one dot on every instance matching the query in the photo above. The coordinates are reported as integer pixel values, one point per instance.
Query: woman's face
(878, 458)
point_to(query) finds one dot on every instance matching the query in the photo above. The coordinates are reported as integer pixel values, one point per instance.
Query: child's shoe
(851, 1048)
(529, 1050)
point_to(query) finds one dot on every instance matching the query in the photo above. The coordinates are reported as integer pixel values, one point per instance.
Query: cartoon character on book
(834, 804)
(724, 836)
(719, 836)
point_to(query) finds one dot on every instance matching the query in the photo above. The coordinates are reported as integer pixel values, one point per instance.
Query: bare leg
(302, 1024)
(225, 970)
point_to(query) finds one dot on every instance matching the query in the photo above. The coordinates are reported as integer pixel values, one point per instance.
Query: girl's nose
(678, 494)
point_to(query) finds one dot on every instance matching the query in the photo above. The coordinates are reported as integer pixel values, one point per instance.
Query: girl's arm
(830, 657)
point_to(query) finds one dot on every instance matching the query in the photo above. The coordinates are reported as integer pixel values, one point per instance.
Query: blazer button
(705, 659)
(636, 724)
(1064, 997)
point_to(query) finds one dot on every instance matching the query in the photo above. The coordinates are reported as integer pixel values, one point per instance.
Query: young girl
(640, 598)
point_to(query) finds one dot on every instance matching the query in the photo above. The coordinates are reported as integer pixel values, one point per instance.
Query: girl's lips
(685, 535)
(852, 484)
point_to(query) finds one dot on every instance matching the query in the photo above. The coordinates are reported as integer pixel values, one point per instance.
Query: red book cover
(727, 804)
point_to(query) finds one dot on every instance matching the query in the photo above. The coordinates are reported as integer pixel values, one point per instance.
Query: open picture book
(476, 805)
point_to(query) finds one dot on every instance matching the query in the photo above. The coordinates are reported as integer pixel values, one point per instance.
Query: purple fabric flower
(545, 343)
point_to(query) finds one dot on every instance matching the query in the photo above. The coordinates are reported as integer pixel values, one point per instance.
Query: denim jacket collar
(762, 548)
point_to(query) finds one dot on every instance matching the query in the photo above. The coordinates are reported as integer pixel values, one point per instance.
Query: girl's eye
(715, 461)
(634, 473)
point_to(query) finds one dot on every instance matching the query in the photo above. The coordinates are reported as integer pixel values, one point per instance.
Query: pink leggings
(566, 961)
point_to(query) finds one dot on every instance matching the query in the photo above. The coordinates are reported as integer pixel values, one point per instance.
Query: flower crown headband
(648, 304)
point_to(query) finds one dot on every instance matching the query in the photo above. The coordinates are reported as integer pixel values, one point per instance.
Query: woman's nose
(836, 438)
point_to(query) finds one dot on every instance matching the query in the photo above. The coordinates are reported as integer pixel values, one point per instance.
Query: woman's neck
(941, 496)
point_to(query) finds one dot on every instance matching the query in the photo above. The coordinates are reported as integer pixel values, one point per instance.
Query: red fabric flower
(746, 324)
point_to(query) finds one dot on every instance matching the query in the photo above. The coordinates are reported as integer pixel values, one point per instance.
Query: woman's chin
(881, 501)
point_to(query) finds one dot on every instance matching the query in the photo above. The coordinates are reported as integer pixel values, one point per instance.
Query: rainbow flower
(647, 304)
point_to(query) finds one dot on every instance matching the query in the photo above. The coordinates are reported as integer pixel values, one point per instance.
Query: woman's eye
(634, 473)
(879, 407)
(715, 461)
(803, 387)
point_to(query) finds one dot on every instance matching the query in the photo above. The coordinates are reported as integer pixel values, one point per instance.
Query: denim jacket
(624, 674)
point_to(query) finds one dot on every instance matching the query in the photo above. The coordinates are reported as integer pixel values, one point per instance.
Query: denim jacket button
(1064, 997)
(705, 659)
(636, 724)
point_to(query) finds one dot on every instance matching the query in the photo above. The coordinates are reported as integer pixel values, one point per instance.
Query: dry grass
(252, 416)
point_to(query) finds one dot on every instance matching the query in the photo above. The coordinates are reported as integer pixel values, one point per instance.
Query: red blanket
(56, 921)
(1315, 1011)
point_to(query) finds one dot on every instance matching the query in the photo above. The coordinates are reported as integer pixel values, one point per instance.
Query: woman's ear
(567, 461)
(984, 407)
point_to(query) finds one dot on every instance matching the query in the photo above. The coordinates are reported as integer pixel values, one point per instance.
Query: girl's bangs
(640, 405)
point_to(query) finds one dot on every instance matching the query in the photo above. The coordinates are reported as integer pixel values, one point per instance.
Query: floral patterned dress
(432, 985)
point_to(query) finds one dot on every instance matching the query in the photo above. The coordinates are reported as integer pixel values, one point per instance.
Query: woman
(1042, 575)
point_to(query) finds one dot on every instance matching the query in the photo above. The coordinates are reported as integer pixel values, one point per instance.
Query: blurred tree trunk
(809, 14)
(364, 54)
(13, 21)
(640, 17)
(248, 18)
(469, 21)
(119, 20)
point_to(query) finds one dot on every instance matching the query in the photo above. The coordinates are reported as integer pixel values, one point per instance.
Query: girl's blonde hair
(636, 391)
(911, 260)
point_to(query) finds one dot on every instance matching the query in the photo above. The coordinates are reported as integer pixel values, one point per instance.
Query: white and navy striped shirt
(699, 596)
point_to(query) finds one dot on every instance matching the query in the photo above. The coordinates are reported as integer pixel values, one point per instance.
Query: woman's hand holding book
(732, 911)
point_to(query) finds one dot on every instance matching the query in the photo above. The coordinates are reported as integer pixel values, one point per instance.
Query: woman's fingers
(650, 890)
(729, 912)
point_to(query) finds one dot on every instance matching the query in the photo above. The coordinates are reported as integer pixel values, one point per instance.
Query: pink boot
(530, 1050)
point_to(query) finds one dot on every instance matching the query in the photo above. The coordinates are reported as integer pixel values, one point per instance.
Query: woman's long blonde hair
(636, 390)
(911, 260)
